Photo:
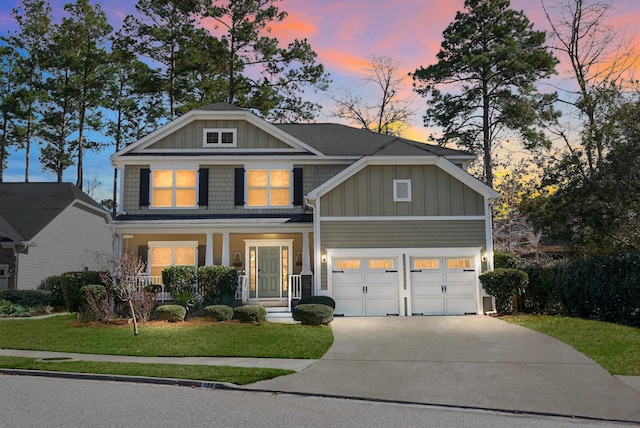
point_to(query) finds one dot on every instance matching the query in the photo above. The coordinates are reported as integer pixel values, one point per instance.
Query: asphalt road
(27, 401)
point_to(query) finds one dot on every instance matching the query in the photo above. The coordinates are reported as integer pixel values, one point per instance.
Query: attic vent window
(220, 137)
(402, 190)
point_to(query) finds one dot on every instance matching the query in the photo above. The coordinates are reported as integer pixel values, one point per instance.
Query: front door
(269, 272)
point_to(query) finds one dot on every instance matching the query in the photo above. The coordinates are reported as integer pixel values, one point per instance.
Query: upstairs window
(402, 190)
(220, 137)
(173, 188)
(268, 188)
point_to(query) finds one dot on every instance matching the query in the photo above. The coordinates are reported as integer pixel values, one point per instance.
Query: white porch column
(225, 250)
(208, 257)
(306, 259)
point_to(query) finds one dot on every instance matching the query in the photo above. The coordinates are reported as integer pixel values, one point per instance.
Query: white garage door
(365, 286)
(443, 285)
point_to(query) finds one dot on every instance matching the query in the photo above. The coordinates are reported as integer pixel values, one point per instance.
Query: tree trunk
(133, 316)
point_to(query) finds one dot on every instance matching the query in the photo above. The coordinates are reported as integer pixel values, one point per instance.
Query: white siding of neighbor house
(76, 239)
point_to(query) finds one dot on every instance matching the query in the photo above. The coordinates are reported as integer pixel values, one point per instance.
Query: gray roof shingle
(26, 208)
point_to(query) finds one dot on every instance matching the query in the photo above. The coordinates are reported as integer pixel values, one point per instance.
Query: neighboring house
(47, 229)
(384, 225)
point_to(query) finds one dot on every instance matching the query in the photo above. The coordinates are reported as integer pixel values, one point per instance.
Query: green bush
(313, 314)
(503, 284)
(72, 283)
(218, 282)
(28, 298)
(320, 300)
(178, 278)
(505, 261)
(53, 284)
(171, 313)
(541, 295)
(250, 313)
(219, 312)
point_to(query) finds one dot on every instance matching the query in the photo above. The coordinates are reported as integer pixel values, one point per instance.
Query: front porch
(275, 306)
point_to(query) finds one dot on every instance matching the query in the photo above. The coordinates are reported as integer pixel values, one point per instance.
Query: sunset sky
(345, 34)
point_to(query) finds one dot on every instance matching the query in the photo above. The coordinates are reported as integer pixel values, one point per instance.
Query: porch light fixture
(323, 256)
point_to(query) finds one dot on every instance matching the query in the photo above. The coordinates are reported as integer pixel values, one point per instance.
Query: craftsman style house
(384, 225)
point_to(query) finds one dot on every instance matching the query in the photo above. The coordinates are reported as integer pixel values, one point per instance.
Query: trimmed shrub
(178, 278)
(250, 313)
(171, 313)
(27, 298)
(313, 314)
(219, 283)
(505, 261)
(504, 284)
(97, 304)
(541, 295)
(53, 284)
(218, 312)
(320, 300)
(72, 283)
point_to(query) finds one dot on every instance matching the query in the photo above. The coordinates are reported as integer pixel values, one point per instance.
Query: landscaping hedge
(218, 312)
(503, 284)
(72, 283)
(171, 313)
(53, 284)
(219, 283)
(250, 313)
(321, 300)
(27, 298)
(604, 287)
(313, 314)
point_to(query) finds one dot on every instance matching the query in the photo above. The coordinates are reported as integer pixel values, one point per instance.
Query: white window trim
(219, 131)
(173, 189)
(267, 168)
(398, 198)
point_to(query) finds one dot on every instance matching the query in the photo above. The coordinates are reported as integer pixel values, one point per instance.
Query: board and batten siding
(433, 193)
(76, 239)
(190, 136)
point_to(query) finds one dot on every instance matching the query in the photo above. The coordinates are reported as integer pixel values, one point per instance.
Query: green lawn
(236, 375)
(204, 339)
(614, 347)
(187, 339)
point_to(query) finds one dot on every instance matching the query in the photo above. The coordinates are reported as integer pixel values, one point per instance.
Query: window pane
(257, 178)
(184, 256)
(162, 178)
(160, 256)
(185, 198)
(212, 138)
(426, 264)
(185, 178)
(257, 197)
(227, 138)
(280, 178)
(458, 263)
(162, 198)
(381, 264)
(346, 264)
(280, 198)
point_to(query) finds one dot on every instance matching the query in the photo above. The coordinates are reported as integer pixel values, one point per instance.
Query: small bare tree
(387, 113)
(123, 278)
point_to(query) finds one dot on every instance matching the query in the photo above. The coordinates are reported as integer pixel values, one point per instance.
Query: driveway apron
(468, 361)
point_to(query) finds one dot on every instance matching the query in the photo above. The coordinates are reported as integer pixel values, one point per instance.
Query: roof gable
(27, 208)
(215, 115)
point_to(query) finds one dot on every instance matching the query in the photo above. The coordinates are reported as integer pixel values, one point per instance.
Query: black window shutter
(298, 192)
(203, 187)
(145, 173)
(239, 186)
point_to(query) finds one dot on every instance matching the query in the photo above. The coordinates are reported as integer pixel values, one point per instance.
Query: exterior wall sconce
(323, 256)
(237, 259)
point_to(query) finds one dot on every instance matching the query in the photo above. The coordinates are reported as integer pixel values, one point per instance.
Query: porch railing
(294, 290)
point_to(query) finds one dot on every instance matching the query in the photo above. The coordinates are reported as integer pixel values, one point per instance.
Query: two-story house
(382, 224)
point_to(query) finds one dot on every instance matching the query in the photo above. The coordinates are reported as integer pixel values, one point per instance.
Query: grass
(614, 347)
(236, 375)
(186, 339)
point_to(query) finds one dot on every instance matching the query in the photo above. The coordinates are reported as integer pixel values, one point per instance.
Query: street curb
(231, 387)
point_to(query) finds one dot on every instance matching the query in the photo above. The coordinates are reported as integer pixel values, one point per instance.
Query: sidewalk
(270, 363)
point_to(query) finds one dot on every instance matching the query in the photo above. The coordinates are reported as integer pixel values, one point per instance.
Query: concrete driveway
(470, 361)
